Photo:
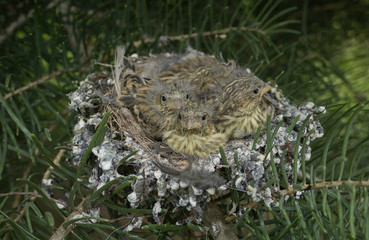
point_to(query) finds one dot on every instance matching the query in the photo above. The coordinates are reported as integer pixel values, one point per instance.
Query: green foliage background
(314, 50)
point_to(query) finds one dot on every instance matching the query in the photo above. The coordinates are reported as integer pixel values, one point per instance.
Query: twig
(21, 20)
(327, 184)
(218, 33)
(19, 193)
(104, 64)
(33, 194)
(311, 186)
(14, 25)
(41, 80)
(56, 161)
(62, 230)
(128, 217)
(46, 176)
(33, 84)
(24, 175)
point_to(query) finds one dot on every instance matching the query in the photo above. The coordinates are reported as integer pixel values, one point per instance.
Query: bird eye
(256, 91)
(203, 117)
(163, 98)
(187, 96)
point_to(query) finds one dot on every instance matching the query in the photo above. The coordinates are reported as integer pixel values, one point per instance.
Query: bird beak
(190, 124)
(175, 105)
(265, 89)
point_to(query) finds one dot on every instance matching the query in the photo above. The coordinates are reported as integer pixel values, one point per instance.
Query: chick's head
(194, 132)
(195, 119)
(243, 96)
(172, 96)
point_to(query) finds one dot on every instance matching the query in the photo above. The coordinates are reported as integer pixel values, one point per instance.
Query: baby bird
(243, 107)
(153, 102)
(194, 132)
(208, 74)
(139, 71)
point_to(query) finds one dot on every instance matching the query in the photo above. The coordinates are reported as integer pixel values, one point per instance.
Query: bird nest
(248, 165)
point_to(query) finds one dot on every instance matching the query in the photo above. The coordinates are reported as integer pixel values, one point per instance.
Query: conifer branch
(221, 33)
(21, 20)
(306, 187)
(33, 84)
(62, 230)
(56, 160)
(39, 81)
(328, 185)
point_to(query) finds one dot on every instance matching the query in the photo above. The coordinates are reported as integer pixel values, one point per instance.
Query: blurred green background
(313, 50)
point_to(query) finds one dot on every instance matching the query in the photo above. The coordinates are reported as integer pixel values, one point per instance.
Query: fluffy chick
(129, 88)
(143, 71)
(154, 101)
(208, 74)
(194, 133)
(243, 107)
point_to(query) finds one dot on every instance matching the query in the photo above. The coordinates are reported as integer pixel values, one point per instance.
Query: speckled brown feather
(199, 138)
(153, 102)
(143, 70)
(208, 74)
(205, 72)
(243, 107)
